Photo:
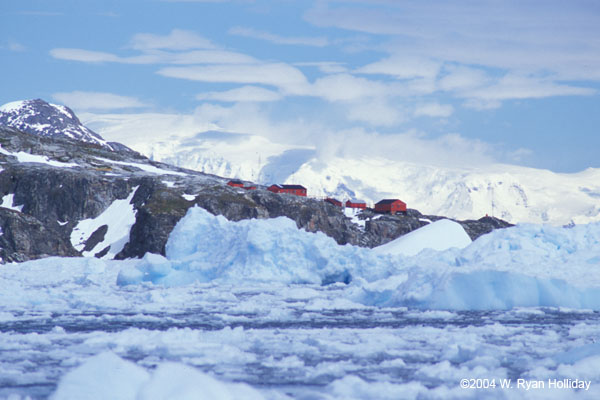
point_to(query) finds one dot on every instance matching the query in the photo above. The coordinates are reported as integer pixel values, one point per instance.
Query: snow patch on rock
(119, 217)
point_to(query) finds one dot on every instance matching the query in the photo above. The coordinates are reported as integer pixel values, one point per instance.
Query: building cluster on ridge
(389, 206)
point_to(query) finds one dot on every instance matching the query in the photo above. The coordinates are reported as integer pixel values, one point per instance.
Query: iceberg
(523, 266)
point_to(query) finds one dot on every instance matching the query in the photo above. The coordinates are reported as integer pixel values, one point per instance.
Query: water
(294, 340)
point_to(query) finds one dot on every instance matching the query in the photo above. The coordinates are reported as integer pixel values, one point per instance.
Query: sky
(461, 82)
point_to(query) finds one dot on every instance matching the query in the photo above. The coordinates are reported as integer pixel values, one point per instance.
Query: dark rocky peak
(49, 120)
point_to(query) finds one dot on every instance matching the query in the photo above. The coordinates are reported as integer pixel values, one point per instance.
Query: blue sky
(488, 81)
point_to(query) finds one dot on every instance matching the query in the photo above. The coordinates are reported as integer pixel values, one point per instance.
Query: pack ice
(523, 266)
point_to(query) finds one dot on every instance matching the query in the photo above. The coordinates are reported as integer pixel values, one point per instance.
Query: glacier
(261, 310)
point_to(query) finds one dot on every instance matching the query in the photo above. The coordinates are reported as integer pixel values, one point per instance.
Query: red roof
(388, 201)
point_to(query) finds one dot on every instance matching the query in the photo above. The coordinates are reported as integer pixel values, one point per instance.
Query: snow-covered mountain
(513, 193)
(45, 119)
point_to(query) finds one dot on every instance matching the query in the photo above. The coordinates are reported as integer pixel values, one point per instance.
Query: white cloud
(176, 40)
(205, 57)
(520, 154)
(328, 67)
(155, 57)
(375, 113)
(142, 131)
(433, 110)
(479, 105)
(513, 86)
(289, 79)
(450, 150)
(242, 94)
(83, 55)
(460, 78)
(277, 39)
(346, 87)
(512, 34)
(80, 100)
(177, 48)
(402, 67)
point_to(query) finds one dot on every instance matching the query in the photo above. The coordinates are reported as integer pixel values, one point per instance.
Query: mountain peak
(39, 117)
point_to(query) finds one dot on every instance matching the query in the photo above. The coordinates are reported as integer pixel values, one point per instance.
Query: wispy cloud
(412, 146)
(403, 67)
(347, 87)
(328, 67)
(513, 86)
(278, 39)
(83, 55)
(377, 113)
(242, 94)
(179, 47)
(513, 34)
(287, 78)
(98, 101)
(13, 46)
(433, 110)
(154, 57)
(176, 40)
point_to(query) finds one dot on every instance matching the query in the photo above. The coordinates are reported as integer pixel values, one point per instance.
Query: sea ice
(107, 376)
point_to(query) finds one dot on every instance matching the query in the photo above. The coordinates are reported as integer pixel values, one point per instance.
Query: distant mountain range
(513, 193)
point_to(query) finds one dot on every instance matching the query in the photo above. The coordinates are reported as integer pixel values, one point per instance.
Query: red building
(298, 190)
(356, 204)
(235, 183)
(333, 201)
(391, 206)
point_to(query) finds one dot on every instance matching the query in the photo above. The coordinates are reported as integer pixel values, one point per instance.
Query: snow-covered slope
(45, 119)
